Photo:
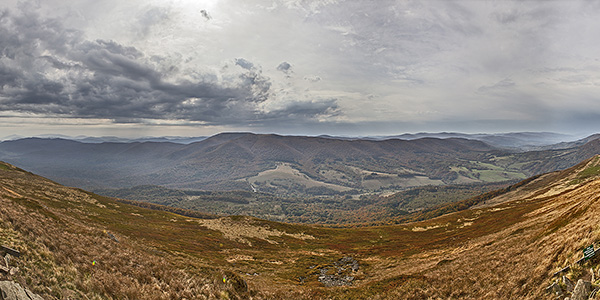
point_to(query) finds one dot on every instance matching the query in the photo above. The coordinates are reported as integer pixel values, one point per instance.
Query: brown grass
(507, 251)
(50, 225)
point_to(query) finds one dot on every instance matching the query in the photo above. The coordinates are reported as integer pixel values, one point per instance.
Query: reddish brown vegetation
(506, 251)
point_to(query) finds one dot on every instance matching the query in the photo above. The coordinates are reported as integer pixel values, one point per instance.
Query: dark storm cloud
(46, 69)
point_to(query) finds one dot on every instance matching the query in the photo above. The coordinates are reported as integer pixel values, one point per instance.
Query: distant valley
(348, 209)
(295, 178)
(286, 165)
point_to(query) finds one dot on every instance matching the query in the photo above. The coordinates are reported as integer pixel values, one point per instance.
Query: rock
(348, 262)
(568, 284)
(554, 288)
(582, 290)
(13, 291)
(112, 236)
(345, 268)
(4, 267)
(334, 280)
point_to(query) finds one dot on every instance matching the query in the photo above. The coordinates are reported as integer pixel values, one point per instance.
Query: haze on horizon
(192, 68)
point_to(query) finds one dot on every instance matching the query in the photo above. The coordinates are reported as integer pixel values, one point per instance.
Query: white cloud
(427, 62)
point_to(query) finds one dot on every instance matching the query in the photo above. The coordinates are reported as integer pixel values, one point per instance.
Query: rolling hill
(506, 245)
(239, 160)
(284, 165)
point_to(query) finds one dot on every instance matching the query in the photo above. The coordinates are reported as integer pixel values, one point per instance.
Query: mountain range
(512, 140)
(286, 165)
(111, 139)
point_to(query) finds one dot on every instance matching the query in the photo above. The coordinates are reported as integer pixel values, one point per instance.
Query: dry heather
(243, 229)
(506, 251)
(518, 261)
(67, 255)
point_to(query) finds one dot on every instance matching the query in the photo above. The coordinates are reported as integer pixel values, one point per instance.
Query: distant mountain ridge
(513, 140)
(112, 139)
(225, 161)
(284, 164)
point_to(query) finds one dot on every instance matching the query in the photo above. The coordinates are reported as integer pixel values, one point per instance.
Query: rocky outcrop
(13, 291)
(340, 273)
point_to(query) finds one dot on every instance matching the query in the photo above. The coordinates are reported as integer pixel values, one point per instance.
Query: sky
(192, 67)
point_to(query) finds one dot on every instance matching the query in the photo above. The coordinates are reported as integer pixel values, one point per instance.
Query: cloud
(150, 18)
(244, 63)
(499, 87)
(312, 78)
(507, 17)
(131, 61)
(285, 67)
(301, 110)
(46, 69)
(205, 14)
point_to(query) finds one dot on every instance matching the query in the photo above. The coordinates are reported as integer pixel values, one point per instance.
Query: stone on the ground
(568, 284)
(582, 290)
(343, 275)
(13, 291)
(554, 288)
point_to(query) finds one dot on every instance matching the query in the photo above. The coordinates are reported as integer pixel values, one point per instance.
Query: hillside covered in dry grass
(77, 245)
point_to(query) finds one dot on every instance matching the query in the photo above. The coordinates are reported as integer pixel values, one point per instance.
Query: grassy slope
(500, 252)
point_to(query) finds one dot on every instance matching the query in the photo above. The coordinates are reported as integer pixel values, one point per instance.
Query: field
(284, 179)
